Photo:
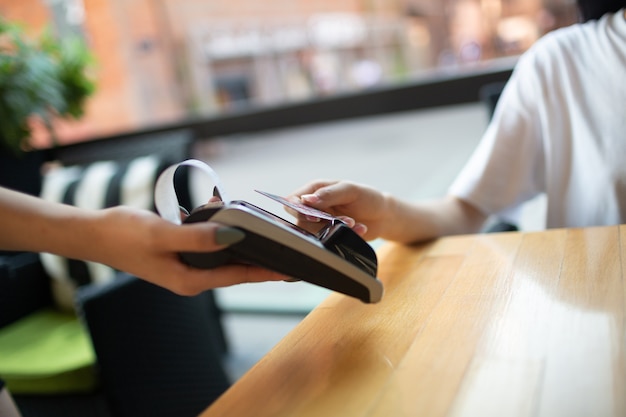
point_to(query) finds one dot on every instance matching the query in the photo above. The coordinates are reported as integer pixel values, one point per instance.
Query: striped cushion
(98, 185)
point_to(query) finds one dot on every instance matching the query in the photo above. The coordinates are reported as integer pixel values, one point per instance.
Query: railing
(437, 89)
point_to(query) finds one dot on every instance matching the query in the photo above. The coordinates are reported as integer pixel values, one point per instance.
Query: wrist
(73, 232)
(390, 225)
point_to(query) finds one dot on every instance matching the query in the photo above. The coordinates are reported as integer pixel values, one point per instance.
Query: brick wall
(137, 44)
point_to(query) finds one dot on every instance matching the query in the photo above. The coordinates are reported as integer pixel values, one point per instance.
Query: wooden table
(510, 324)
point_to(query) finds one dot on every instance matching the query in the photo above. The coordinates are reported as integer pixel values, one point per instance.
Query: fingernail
(349, 221)
(309, 198)
(228, 235)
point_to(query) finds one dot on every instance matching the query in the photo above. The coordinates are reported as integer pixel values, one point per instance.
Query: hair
(595, 9)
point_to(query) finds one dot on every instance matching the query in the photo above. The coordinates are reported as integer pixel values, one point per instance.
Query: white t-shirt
(559, 129)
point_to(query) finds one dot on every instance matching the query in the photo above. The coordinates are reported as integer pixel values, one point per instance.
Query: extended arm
(131, 240)
(375, 214)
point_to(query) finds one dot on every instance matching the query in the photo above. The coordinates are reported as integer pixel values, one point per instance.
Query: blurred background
(168, 62)
(161, 61)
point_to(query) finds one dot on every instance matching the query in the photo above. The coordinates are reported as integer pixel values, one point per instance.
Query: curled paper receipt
(165, 198)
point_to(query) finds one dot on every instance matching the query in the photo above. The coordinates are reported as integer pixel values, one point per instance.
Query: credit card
(300, 208)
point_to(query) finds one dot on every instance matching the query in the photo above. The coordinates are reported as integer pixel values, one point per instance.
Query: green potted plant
(42, 79)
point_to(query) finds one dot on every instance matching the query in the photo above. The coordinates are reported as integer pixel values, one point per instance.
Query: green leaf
(40, 78)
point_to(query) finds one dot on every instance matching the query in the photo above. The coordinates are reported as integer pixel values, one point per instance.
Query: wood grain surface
(509, 324)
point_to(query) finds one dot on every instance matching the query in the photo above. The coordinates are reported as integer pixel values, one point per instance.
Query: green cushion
(47, 352)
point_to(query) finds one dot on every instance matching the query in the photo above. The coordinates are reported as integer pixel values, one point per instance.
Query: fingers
(340, 198)
(192, 281)
(336, 195)
(360, 229)
(196, 237)
(168, 271)
(349, 221)
(325, 195)
(145, 245)
(311, 187)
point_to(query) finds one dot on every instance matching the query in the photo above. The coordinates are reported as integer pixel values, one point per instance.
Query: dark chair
(489, 94)
(157, 353)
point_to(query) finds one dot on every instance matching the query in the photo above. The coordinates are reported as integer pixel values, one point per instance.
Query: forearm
(31, 224)
(417, 222)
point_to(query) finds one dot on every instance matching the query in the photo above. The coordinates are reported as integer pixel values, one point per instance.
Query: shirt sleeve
(505, 169)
